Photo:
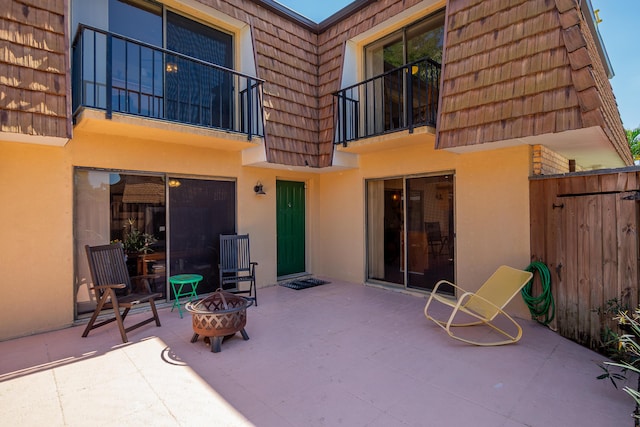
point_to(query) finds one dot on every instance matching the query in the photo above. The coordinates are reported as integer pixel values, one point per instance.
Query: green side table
(184, 285)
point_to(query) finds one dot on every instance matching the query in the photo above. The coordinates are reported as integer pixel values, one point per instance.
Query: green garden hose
(542, 307)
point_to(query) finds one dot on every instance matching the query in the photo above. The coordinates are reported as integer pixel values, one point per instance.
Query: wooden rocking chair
(236, 266)
(112, 287)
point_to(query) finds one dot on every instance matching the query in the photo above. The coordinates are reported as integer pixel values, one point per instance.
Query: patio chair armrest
(446, 282)
(451, 302)
(110, 286)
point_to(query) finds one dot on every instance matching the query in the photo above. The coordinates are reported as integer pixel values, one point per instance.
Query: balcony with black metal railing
(164, 89)
(401, 99)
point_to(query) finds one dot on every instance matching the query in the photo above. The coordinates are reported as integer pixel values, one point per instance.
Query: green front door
(290, 212)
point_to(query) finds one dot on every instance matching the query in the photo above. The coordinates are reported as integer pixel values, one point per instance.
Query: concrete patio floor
(340, 354)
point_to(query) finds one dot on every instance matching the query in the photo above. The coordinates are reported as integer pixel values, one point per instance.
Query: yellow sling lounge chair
(484, 305)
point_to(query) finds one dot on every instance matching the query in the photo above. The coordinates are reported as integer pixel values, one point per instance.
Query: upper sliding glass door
(144, 80)
(137, 71)
(395, 91)
(197, 93)
(410, 231)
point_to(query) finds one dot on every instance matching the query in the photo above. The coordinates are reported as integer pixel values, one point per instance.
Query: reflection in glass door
(430, 254)
(412, 216)
(384, 229)
(161, 237)
(126, 208)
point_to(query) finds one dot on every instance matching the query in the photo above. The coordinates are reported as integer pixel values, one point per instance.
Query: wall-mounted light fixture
(174, 183)
(258, 189)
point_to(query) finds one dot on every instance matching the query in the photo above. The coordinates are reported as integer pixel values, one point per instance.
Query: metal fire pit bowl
(218, 317)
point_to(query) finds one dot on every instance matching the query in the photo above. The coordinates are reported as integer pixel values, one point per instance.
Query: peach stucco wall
(491, 210)
(36, 219)
(36, 262)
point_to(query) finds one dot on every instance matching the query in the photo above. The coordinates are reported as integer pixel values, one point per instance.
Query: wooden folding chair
(112, 287)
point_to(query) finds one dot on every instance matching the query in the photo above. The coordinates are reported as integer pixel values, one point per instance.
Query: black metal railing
(118, 74)
(403, 98)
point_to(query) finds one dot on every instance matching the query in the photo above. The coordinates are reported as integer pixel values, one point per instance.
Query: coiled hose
(542, 307)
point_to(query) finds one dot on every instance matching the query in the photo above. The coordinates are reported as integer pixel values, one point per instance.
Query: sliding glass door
(161, 236)
(393, 93)
(198, 93)
(199, 211)
(410, 231)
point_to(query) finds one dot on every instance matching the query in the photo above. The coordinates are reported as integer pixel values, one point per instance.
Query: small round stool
(178, 283)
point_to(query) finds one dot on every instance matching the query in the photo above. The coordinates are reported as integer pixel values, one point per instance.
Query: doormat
(303, 284)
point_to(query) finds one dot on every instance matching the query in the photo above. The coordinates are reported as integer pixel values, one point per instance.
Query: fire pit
(218, 317)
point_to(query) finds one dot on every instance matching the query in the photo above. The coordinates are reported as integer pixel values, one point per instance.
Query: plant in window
(135, 240)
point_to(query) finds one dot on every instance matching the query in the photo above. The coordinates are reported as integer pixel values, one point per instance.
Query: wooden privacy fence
(584, 227)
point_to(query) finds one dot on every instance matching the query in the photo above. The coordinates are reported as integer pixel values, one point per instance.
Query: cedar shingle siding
(302, 70)
(513, 68)
(287, 59)
(519, 68)
(288, 62)
(33, 68)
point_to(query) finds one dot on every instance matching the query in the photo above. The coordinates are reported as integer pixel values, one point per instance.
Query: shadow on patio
(337, 354)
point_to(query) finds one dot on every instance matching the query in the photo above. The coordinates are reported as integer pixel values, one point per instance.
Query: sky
(617, 30)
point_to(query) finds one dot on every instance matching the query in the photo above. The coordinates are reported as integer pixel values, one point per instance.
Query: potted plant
(135, 241)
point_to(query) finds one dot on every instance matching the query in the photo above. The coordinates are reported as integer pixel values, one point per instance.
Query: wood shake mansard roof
(520, 68)
(287, 60)
(301, 63)
(512, 69)
(34, 103)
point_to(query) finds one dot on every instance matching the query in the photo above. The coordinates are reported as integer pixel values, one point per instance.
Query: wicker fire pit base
(218, 317)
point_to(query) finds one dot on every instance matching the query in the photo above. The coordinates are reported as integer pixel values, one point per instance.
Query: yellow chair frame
(484, 305)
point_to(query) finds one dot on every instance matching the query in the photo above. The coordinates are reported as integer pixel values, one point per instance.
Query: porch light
(174, 183)
(258, 189)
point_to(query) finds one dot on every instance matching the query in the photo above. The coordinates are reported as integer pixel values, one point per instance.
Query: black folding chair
(236, 265)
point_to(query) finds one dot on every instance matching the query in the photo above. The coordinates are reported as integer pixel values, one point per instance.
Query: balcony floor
(337, 354)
